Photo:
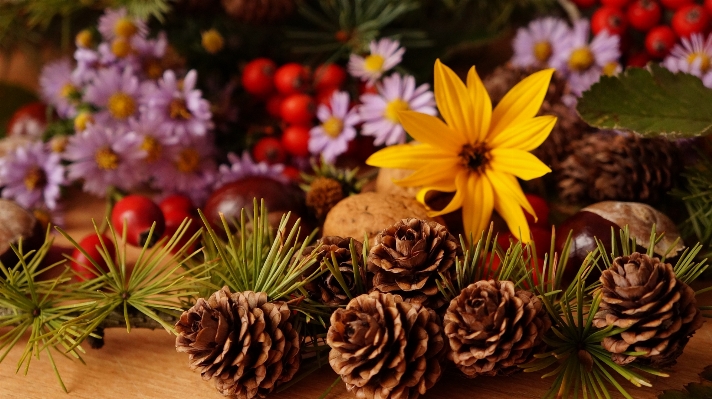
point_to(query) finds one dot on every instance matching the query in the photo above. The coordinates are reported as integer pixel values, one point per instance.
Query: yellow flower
(477, 152)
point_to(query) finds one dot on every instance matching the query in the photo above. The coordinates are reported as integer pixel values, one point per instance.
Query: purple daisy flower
(151, 144)
(59, 89)
(117, 23)
(190, 169)
(32, 176)
(149, 53)
(379, 112)
(693, 56)
(104, 157)
(385, 54)
(245, 167)
(585, 62)
(331, 138)
(117, 93)
(88, 64)
(180, 106)
(540, 42)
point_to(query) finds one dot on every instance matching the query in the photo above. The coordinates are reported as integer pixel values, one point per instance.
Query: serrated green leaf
(651, 102)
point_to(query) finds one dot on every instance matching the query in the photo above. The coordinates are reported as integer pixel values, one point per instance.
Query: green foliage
(651, 102)
(696, 193)
(350, 183)
(693, 390)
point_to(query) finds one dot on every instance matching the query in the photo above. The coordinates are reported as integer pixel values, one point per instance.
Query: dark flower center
(177, 110)
(475, 156)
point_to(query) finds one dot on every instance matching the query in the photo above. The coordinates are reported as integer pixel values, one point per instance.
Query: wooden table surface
(144, 364)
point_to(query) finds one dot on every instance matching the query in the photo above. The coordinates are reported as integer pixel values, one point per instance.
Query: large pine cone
(258, 11)
(245, 343)
(383, 347)
(660, 312)
(492, 328)
(410, 256)
(326, 288)
(618, 166)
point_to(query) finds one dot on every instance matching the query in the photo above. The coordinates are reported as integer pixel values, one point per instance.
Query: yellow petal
(406, 156)
(477, 208)
(510, 209)
(504, 182)
(526, 135)
(481, 106)
(455, 203)
(520, 103)
(431, 130)
(453, 101)
(430, 173)
(522, 164)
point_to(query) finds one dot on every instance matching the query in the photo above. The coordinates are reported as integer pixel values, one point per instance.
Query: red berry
(363, 88)
(269, 150)
(660, 41)
(615, 3)
(91, 244)
(292, 173)
(541, 208)
(644, 14)
(689, 20)
(291, 78)
(585, 3)
(610, 19)
(639, 59)
(298, 109)
(29, 120)
(258, 77)
(323, 97)
(139, 213)
(176, 209)
(176, 203)
(274, 105)
(295, 139)
(708, 6)
(329, 76)
(675, 4)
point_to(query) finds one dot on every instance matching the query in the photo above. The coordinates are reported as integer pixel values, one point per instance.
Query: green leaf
(693, 390)
(651, 102)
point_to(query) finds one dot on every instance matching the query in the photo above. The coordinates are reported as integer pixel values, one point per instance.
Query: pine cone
(492, 328)
(660, 312)
(247, 344)
(259, 11)
(505, 77)
(323, 194)
(383, 347)
(410, 256)
(326, 288)
(618, 166)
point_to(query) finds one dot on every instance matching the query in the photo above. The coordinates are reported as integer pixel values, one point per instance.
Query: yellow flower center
(35, 178)
(84, 38)
(178, 110)
(475, 157)
(393, 107)
(373, 63)
(333, 127)
(58, 144)
(81, 121)
(581, 59)
(212, 41)
(106, 159)
(153, 68)
(704, 60)
(543, 51)
(153, 149)
(125, 28)
(69, 91)
(188, 160)
(610, 68)
(121, 105)
(121, 47)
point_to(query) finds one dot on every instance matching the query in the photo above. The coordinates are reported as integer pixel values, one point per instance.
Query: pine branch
(116, 319)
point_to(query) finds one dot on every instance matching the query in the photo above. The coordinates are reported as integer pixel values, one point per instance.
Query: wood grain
(145, 365)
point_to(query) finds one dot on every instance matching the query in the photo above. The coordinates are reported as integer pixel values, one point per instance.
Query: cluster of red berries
(137, 214)
(654, 25)
(291, 93)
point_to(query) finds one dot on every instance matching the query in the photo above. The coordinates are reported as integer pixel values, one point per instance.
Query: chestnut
(17, 223)
(596, 221)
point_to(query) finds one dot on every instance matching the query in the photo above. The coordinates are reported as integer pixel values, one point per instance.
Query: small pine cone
(247, 344)
(660, 312)
(492, 328)
(383, 347)
(505, 77)
(618, 166)
(258, 11)
(323, 194)
(408, 257)
(326, 288)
